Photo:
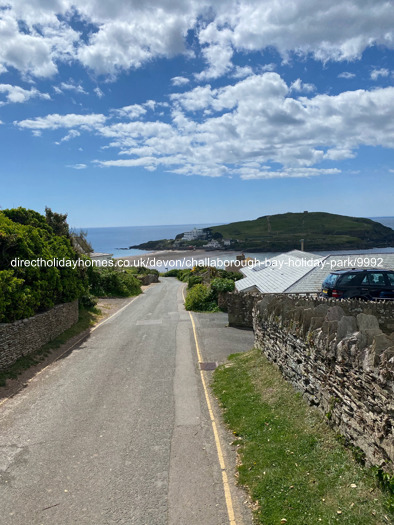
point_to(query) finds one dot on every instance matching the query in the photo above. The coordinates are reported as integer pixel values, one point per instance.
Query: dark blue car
(367, 284)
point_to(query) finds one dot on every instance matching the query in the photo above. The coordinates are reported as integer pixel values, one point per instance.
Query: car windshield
(350, 279)
(330, 280)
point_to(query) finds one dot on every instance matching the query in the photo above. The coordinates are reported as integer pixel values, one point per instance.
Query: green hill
(320, 231)
(284, 232)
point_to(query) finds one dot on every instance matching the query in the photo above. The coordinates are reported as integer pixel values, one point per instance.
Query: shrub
(184, 275)
(172, 273)
(199, 299)
(113, 282)
(193, 280)
(219, 285)
(88, 301)
(26, 235)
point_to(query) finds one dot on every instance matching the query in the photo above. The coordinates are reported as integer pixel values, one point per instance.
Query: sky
(172, 112)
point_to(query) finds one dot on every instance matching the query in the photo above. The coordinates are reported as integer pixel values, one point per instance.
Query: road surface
(118, 431)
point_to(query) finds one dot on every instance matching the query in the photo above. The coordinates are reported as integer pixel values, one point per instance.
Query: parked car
(370, 284)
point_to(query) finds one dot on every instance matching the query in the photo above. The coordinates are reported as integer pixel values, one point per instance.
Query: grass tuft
(290, 461)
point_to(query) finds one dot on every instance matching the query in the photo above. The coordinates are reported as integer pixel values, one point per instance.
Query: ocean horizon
(117, 239)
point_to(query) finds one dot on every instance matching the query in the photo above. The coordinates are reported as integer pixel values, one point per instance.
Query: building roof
(275, 275)
(303, 272)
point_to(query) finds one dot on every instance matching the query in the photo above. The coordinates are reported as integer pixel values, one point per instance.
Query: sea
(116, 240)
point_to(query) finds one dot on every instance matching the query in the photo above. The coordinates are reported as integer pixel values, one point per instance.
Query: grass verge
(87, 317)
(293, 466)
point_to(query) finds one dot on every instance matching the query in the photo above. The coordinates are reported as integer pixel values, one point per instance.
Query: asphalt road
(118, 432)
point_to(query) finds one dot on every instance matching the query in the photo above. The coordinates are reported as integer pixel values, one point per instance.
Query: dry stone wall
(338, 356)
(28, 335)
(239, 307)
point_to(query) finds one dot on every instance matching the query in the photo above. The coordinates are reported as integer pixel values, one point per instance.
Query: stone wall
(28, 335)
(337, 355)
(239, 307)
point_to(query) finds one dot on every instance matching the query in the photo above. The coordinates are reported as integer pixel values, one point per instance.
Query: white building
(213, 245)
(193, 235)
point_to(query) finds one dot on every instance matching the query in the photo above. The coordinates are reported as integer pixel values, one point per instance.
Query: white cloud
(31, 50)
(131, 112)
(197, 99)
(261, 123)
(298, 85)
(255, 128)
(55, 121)
(17, 94)
(98, 92)
(72, 134)
(242, 72)
(179, 81)
(265, 173)
(72, 86)
(376, 73)
(268, 67)
(36, 36)
(329, 31)
(133, 39)
(219, 62)
(346, 74)
(77, 166)
(146, 162)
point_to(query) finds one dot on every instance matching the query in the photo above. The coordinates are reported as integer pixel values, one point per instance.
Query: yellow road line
(70, 348)
(226, 486)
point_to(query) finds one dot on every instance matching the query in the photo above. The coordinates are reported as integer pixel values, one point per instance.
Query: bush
(88, 301)
(219, 285)
(26, 235)
(172, 273)
(113, 282)
(15, 301)
(184, 275)
(193, 280)
(199, 299)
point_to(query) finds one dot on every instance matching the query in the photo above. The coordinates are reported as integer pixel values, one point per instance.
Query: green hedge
(25, 291)
(24, 234)
(113, 282)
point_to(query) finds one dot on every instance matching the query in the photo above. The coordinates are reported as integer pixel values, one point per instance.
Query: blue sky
(174, 112)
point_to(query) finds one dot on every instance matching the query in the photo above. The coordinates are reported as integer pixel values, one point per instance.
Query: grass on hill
(294, 467)
(319, 229)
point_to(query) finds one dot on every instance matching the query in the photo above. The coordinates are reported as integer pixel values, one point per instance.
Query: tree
(58, 222)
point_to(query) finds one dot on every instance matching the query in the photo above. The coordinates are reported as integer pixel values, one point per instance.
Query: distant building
(213, 245)
(194, 235)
